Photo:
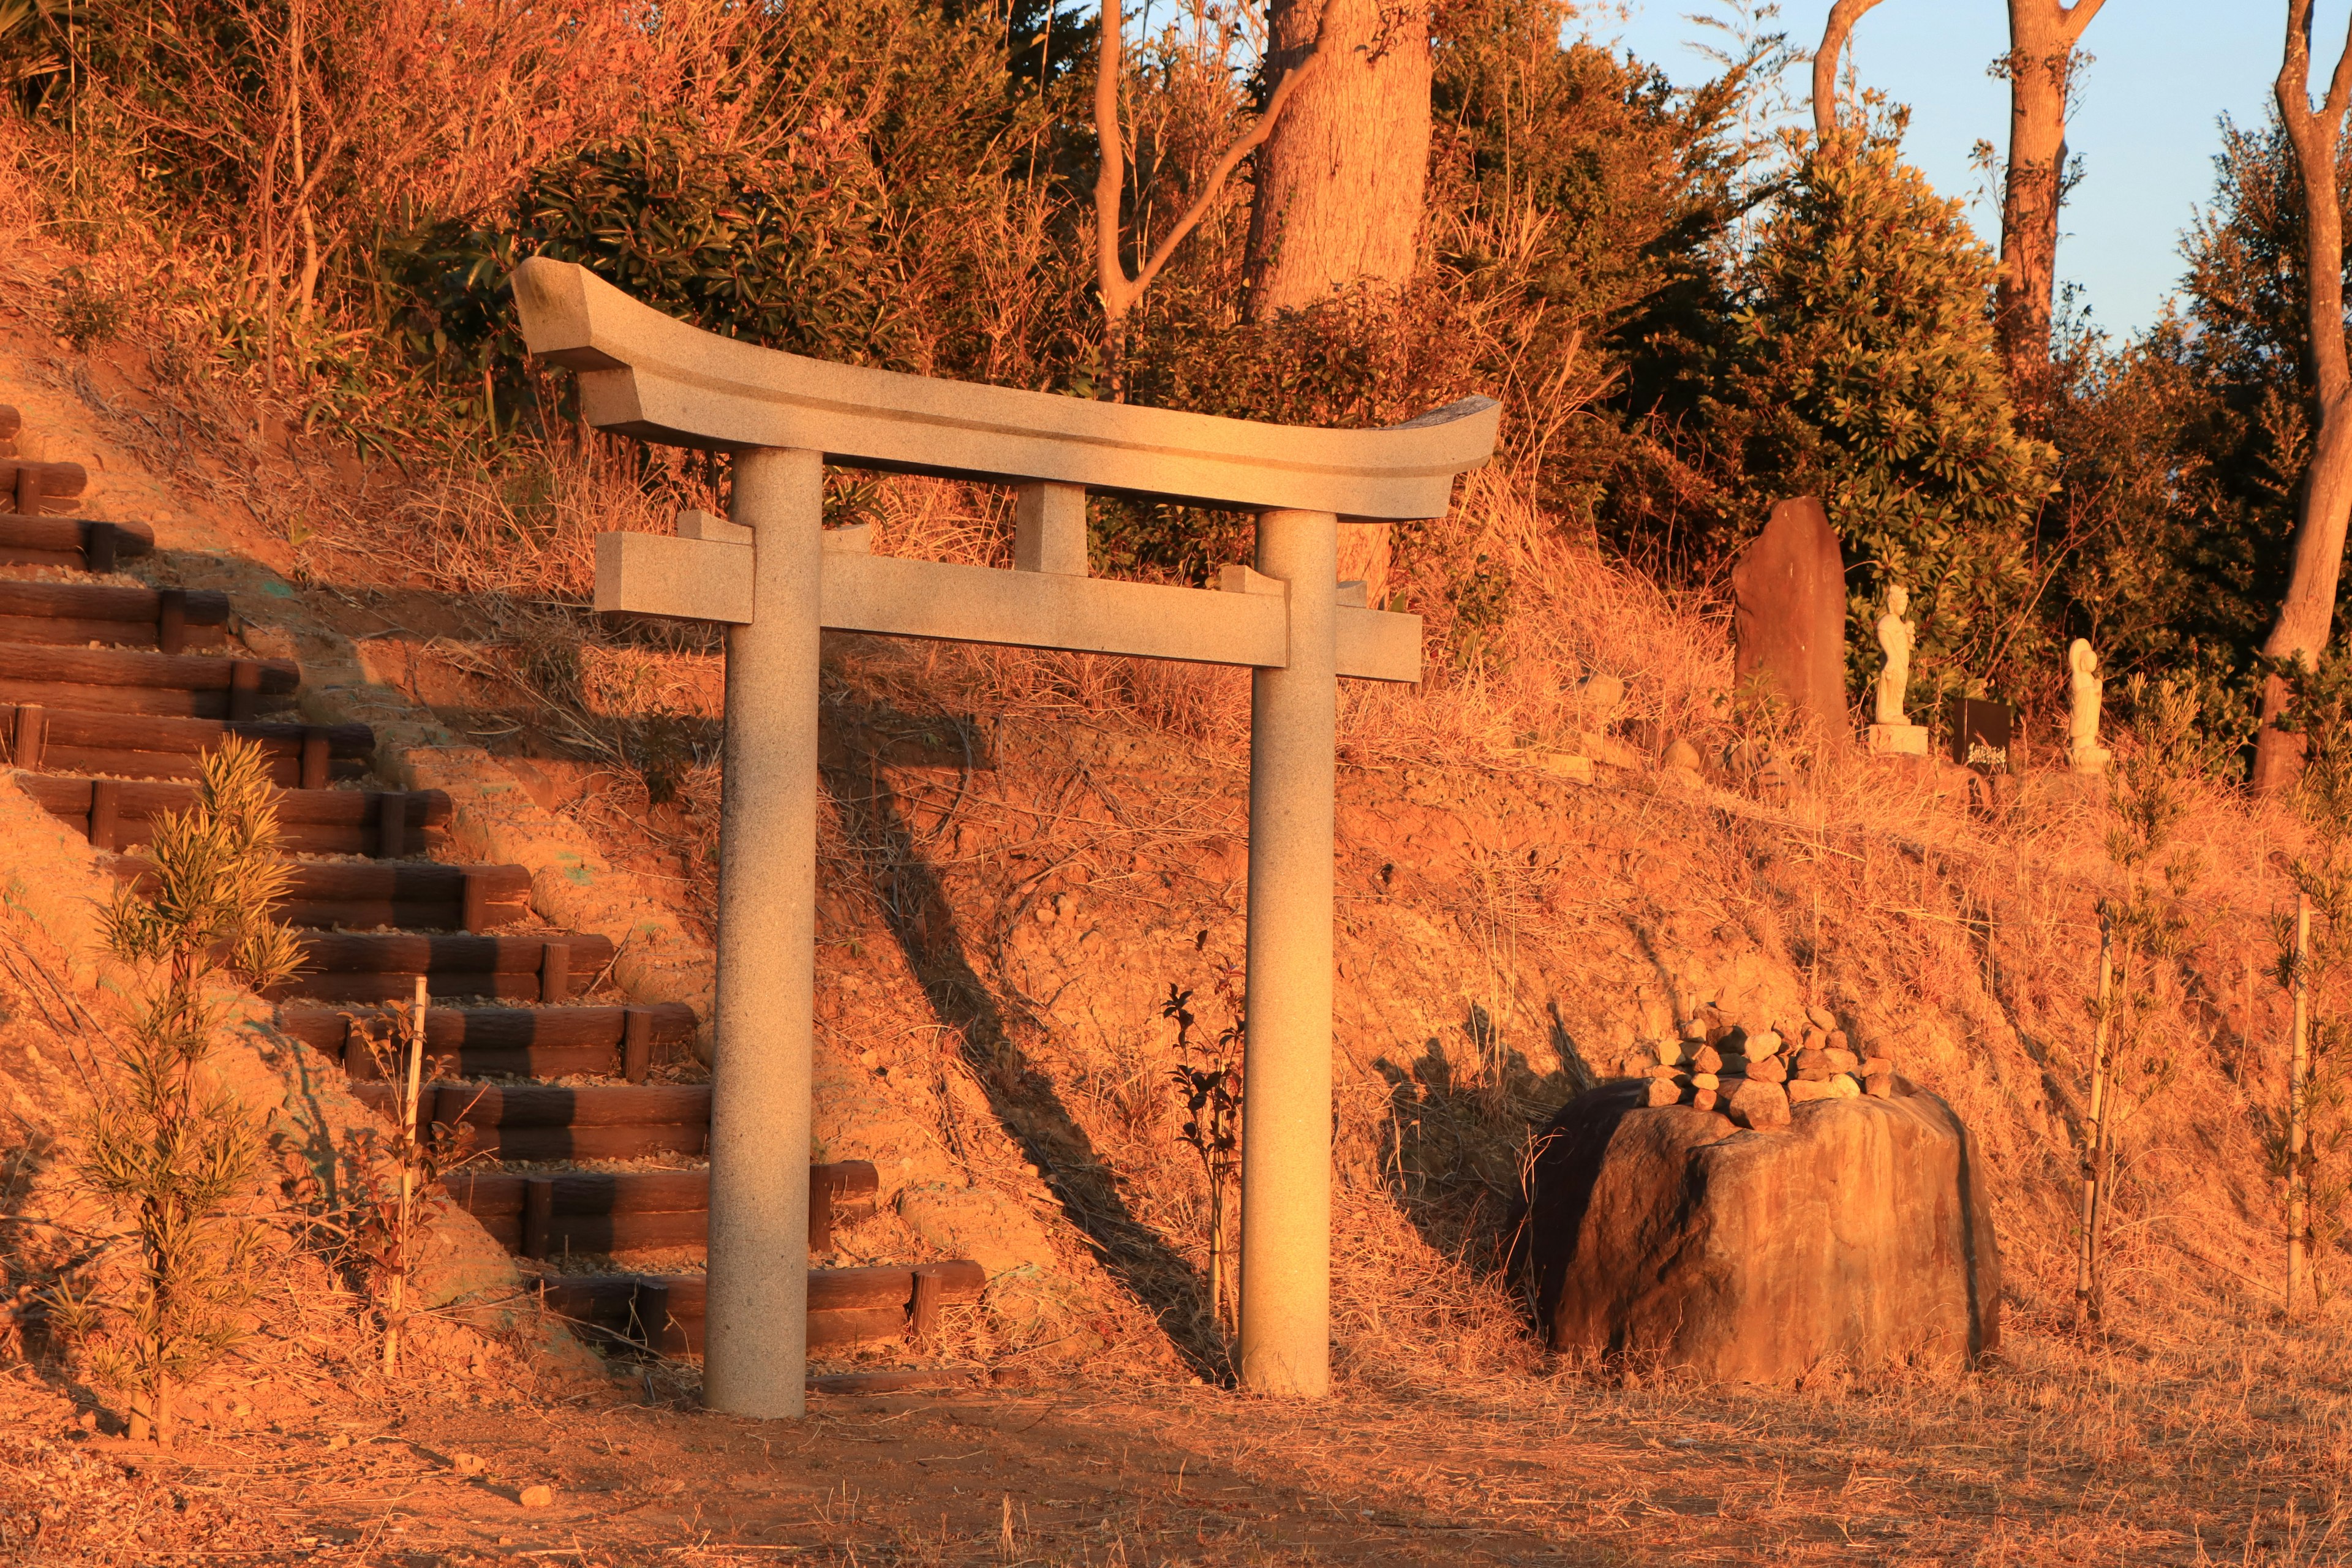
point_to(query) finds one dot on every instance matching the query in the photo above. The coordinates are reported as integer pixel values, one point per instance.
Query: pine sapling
(165, 1145)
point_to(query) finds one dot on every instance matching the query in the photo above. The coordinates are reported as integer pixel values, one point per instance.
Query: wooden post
(653, 1315)
(755, 1341)
(99, 542)
(1286, 1327)
(105, 814)
(554, 972)
(171, 620)
(822, 1197)
(923, 1311)
(473, 902)
(358, 1062)
(313, 774)
(2298, 1094)
(636, 1044)
(31, 737)
(244, 690)
(391, 826)
(537, 1216)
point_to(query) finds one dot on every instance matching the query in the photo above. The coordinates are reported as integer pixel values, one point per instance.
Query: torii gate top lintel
(650, 375)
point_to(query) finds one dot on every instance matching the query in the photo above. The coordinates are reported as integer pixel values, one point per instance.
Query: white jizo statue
(1895, 636)
(2083, 728)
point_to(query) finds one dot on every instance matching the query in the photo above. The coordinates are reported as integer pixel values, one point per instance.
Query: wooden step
(548, 1121)
(75, 543)
(171, 620)
(632, 1211)
(665, 1313)
(382, 966)
(131, 745)
(412, 895)
(40, 488)
(517, 1042)
(120, 814)
(165, 685)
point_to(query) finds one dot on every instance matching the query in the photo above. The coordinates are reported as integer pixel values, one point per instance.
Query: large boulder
(1858, 1237)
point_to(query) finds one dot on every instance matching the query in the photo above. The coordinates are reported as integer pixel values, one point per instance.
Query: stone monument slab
(1788, 613)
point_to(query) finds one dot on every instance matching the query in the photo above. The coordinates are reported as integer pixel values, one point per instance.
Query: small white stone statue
(1895, 636)
(2084, 680)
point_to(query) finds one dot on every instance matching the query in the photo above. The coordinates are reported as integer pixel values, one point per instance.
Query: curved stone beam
(650, 375)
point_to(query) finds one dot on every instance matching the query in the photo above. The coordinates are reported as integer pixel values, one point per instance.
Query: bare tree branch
(1120, 292)
(1843, 16)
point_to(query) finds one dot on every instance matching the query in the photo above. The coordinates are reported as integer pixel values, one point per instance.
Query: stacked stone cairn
(1753, 1072)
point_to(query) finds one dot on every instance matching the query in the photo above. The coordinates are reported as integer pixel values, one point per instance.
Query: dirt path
(1555, 1471)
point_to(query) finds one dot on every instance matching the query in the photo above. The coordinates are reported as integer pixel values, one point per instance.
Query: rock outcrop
(1859, 1235)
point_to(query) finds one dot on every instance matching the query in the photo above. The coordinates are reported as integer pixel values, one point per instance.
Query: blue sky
(2163, 73)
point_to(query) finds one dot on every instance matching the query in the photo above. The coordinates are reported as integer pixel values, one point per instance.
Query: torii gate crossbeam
(775, 578)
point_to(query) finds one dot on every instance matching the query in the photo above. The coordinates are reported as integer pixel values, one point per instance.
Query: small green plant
(87, 313)
(2314, 944)
(165, 1145)
(2140, 931)
(1208, 1084)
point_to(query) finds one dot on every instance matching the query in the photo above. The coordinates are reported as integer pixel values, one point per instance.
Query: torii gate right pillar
(1285, 1340)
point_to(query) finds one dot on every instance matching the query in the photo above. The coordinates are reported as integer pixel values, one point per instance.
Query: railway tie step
(145, 746)
(516, 1042)
(120, 814)
(382, 966)
(160, 685)
(552, 1122)
(34, 488)
(634, 1211)
(664, 1313)
(168, 620)
(413, 895)
(75, 543)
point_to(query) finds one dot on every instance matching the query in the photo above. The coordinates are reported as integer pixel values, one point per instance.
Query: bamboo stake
(400, 1249)
(2298, 1187)
(2086, 1304)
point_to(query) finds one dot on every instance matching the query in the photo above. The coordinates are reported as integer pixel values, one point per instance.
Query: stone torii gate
(775, 577)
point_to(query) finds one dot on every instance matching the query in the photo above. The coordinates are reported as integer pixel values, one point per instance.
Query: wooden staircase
(104, 738)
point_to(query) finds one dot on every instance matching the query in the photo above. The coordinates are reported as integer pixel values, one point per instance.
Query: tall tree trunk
(1339, 181)
(2042, 35)
(1843, 16)
(2324, 500)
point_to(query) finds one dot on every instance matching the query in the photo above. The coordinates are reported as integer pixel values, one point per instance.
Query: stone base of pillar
(1898, 739)
(2090, 759)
